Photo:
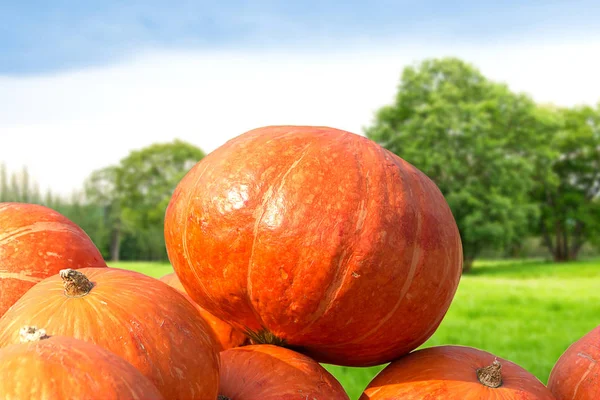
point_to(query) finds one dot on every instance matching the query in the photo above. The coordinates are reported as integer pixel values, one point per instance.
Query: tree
(100, 189)
(135, 194)
(475, 139)
(4, 190)
(18, 187)
(570, 204)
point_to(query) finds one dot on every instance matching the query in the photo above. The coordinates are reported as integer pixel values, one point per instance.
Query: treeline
(121, 207)
(521, 178)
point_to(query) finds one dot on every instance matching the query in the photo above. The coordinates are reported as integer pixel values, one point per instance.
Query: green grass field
(526, 311)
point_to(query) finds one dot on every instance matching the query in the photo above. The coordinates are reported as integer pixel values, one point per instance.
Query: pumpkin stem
(221, 397)
(76, 283)
(264, 336)
(491, 376)
(32, 334)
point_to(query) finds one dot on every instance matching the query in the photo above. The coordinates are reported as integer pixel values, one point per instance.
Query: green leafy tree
(570, 204)
(100, 190)
(476, 140)
(135, 194)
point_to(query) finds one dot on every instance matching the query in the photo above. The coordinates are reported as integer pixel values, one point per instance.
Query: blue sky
(48, 36)
(84, 83)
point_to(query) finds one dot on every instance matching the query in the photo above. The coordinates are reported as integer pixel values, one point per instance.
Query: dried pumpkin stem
(491, 376)
(76, 283)
(32, 334)
(221, 397)
(264, 336)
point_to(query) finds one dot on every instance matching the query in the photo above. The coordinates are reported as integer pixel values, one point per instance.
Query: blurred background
(104, 106)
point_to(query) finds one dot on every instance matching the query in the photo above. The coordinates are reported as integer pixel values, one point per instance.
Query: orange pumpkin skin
(35, 243)
(319, 238)
(270, 372)
(69, 369)
(225, 335)
(576, 374)
(146, 322)
(450, 372)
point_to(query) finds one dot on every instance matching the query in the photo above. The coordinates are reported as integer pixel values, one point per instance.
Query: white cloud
(64, 126)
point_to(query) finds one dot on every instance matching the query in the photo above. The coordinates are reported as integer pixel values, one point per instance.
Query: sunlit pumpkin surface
(317, 238)
(145, 321)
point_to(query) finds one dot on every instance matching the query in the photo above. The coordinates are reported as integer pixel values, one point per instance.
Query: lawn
(526, 311)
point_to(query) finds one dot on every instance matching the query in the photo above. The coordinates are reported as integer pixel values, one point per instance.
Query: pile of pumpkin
(291, 246)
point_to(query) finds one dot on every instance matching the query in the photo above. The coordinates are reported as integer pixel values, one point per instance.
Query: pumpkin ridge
(336, 285)
(20, 276)
(45, 302)
(36, 227)
(184, 243)
(575, 373)
(416, 258)
(94, 306)
(591, 366)
(266, 198)
(424, 185)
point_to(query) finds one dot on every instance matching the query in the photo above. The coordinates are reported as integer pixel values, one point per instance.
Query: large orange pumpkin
(139, 318)
(319, 239)
(35, 243)
(225, 335)
(60, 367)
(576, 374)
(455, 373)
(270, 372)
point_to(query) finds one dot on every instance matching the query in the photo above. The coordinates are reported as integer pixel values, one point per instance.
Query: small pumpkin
(576, 374)
(61, 367)
(146, 322)
(270, 372)
(318, 238)
(35, 243)
(225, 335)
(455, 373)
